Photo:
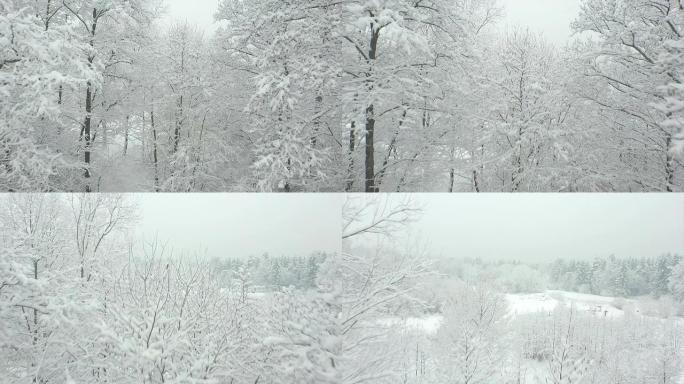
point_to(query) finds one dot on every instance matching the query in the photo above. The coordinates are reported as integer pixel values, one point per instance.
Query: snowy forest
(271, 273)
(80, 304)
(328, 95)
(608, 276)
(464, 320)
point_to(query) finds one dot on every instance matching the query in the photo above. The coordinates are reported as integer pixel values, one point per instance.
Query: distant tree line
(613, 276)
(510, 276)
(272, 272)
(607, 276)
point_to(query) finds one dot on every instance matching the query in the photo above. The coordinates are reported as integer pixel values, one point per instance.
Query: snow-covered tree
(286, 45)
(40, 59)
(568, 363)
(622, 65)
(671, 61)
(469, 343)
(676, 281)
(302, 344)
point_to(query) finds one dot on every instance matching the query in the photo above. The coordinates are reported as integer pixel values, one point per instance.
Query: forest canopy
(353, 95)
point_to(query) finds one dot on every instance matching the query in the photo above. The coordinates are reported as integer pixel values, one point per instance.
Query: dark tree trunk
(154, 152)
(370, 116)
(179, 123)
(35, 311)
(476, 182)
(125, 148)
(86, 133)
(669, 165)
(350, 168)
(516, 175)
(143, 139)
(370, 151)
(391, 148)
(317, 121)
(287, 187)
(89, 107)
(452, 177)
(179, 118)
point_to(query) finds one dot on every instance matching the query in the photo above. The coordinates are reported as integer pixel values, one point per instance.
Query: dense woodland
(663, 275)
(607, 276)
(268, 273)
(656, 277)
(327, 95)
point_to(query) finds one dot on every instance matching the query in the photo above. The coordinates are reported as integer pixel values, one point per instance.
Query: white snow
(520, 304)
(427, 324)
(547, 301)
(123, 173)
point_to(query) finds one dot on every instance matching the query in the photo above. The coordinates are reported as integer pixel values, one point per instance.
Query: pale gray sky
(238, 225)
(552, 17)
(540, 227)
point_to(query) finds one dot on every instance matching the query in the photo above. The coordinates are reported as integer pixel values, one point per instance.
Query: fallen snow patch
(549, 300)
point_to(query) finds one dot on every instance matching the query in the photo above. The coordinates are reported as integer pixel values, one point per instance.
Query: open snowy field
(532, 319)
(604, 306)
(547, 301)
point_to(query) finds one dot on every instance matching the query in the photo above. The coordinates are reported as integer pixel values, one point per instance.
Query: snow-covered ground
(520, 304)
(428, 324)
(549, 300)
(123, 173)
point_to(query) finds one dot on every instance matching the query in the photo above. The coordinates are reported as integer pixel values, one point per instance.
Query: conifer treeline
(613, 276)
(271, 272)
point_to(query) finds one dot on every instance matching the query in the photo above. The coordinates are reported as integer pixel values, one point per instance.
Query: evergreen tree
(676, 282)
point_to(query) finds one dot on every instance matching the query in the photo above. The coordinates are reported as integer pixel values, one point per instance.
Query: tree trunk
(179, 122)
(669, 165)
(370, 116)
(125, 148)
(316, 121)
(35, 311)
(179, 118)
(452, 170)
(391, 148)
(518, 167)
(476, 182)
(452, 179)
(89, 107)
(86, 133)
(350, 168)
(154, 152)
(143, 139)
(370, 151)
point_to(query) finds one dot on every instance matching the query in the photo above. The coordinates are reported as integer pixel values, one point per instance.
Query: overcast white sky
(552, 17)
(540, 227)
(238, 225)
